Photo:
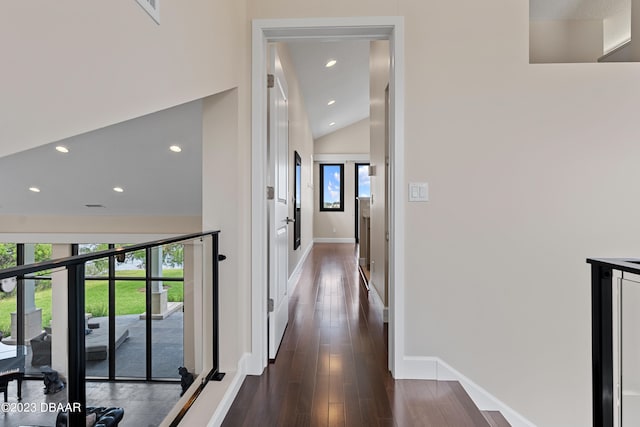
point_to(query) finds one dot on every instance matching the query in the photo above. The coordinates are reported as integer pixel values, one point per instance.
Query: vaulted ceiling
(346, 83)
(133, 155)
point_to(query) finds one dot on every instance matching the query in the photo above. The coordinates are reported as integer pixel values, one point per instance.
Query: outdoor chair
(41, 349)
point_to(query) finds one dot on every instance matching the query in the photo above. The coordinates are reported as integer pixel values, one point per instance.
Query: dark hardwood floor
(331, 369)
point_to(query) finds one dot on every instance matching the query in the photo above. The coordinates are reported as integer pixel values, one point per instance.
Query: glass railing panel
(181, 337)
(8, 307)
(167, 313)
(630, 352)
(132, 264)
(32, 360)
(38, 322)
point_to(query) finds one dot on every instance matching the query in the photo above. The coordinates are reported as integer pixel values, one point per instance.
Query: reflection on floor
(145, 404)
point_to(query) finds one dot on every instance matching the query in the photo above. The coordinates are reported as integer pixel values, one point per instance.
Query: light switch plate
(418, 192)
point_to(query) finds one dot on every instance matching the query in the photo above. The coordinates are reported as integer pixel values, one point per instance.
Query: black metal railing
(602, 332)
(75, 267)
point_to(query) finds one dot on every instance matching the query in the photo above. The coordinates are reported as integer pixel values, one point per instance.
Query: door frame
(368, 28)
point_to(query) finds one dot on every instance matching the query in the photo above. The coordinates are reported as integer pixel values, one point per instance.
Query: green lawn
(130, 298)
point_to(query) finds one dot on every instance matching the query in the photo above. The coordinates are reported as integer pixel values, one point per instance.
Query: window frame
(322, 167)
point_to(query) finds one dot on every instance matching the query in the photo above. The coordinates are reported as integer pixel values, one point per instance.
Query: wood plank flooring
(496, 419)
(331, 369)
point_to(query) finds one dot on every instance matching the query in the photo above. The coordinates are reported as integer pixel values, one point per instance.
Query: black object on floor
(104, 417)
(52, 382)
(186, 379)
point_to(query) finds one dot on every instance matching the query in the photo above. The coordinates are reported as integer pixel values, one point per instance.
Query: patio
(167, 352)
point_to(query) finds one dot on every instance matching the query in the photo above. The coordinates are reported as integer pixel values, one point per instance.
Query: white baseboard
(434, 368)
(376, 296)
(418, 368)
(295, 275)
(334, 240)
(231, 393)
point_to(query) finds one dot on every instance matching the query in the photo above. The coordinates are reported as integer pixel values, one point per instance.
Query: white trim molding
(385, 310)
(231, 393)
(341, 158)
(351, 240)
(258, 360)
(434, 368)
(372, 28)
(215, 400)
(295, 274)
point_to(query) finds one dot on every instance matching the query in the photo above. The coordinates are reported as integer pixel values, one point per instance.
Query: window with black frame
(332, 187)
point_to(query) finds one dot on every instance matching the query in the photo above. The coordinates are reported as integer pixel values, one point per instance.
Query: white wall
(616, 30)
(565, 41)
(73, 66)
(300, 140)
(378, 82)
(353, 139)
(99, 224)
(220, 211)
(528, 168)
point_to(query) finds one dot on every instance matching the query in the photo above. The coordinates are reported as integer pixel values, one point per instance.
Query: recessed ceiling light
(34, 189)
(331, 63)
(332, 124)
(62, 149)
(118, 189)
(175, 148)
(333, 101)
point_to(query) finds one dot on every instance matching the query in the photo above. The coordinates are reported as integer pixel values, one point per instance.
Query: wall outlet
(334, 230)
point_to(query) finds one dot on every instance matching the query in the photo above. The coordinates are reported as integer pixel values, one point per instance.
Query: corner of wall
(434, 368)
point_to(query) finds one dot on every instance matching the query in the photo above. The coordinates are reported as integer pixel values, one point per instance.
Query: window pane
(332, 187)
(7, 300)
(364, 181)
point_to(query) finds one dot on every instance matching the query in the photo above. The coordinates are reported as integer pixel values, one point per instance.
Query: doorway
(378, 28)
(363, 189)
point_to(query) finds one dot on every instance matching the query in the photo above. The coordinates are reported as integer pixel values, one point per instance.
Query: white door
(278, 155)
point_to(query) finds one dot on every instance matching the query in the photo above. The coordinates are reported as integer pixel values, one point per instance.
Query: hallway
(331, 369)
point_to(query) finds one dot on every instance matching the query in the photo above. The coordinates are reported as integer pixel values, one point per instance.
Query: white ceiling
(347, 82)
(134, 155)
(576, 9)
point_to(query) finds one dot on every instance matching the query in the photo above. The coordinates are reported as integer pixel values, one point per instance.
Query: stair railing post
(602, 344)
(217, 376)
(76, 380)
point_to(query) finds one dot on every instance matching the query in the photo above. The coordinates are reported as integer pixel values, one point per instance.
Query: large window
(332, 187)
(116, 296)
